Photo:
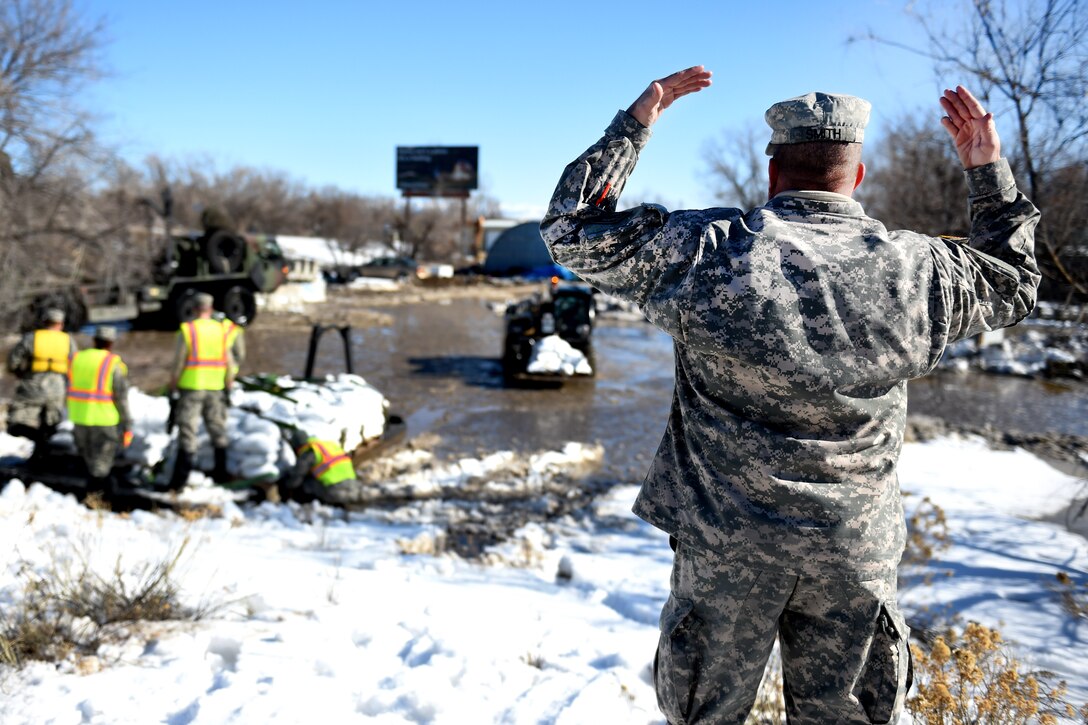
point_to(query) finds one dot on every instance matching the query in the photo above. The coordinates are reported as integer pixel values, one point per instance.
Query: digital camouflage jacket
(796, 326)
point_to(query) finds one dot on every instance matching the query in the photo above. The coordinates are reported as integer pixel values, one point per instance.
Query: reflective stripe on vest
(333, 466)
(51, 350)
(206, 363)
(90, 388)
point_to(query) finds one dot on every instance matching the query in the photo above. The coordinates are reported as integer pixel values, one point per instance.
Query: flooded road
(436, 360)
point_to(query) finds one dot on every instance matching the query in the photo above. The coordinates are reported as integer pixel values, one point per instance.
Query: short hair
(818, 165)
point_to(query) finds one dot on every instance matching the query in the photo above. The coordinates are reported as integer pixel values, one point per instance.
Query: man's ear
(772, 177)
(860, 176)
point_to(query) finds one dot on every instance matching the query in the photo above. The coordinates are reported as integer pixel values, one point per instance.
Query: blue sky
(326, 91)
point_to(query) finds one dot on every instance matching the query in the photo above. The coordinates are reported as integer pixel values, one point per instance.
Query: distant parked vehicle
(398, 268)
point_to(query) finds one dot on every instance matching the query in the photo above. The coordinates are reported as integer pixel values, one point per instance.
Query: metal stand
(315, 338)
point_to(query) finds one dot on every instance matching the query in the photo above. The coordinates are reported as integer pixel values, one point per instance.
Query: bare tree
(1029, 62)
(47, 53)
(738, 166)
(913, 174)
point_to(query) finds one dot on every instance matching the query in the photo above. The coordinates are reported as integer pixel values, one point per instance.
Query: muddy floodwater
(436, 359)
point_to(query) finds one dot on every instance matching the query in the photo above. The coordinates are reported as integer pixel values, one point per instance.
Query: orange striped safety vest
(90, 388)
(333, 466)
(206, 363)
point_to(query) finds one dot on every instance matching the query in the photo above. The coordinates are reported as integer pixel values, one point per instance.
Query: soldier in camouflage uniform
(322, 471)
(98, 407)
(40, 360)
(203, 373)
(796, 326)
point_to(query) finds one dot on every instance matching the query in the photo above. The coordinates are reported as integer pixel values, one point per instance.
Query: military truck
(230, 266)
(568, 312)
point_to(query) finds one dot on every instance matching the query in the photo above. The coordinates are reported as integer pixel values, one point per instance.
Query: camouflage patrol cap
(53, 314)
(817, 117)
(105, 333)
(203, 300)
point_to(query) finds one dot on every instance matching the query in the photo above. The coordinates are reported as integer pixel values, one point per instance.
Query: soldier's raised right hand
(660, 94)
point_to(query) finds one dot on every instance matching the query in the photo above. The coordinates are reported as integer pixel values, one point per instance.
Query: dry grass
(70, 610)
(1074, 598)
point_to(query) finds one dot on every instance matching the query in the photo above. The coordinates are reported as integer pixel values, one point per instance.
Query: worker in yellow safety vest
(200, 384)
(236, 341)
(322, 471)
(98, 407)
(40, 360)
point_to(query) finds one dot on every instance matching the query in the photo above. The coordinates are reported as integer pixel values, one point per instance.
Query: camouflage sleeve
(232, 366)
(303, 463)
(120, 396)
(19, 357)
(991, 281)
(625, 253)
(238, 349)
(180, 353)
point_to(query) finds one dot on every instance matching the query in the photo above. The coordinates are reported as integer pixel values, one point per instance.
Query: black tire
(226, 252)
(185, 306)
(240, 305)
(68, 301)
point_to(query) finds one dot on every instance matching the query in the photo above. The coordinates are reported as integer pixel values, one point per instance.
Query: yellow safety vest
(206, 362)
(90, 388)
(51, 349)
(333, 465)
(233, 331)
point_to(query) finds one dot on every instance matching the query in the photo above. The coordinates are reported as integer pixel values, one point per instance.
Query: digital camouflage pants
(196, 405)
(845, 656)
(37, 405)
(97, 446)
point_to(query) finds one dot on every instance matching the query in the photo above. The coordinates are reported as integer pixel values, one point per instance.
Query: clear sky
(325, 91)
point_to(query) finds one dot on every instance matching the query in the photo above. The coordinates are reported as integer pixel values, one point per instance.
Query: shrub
(927, 533)
(969, 678)
(770, 705)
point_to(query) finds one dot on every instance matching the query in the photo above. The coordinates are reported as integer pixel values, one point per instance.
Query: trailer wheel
(240, 305)
(68, 301)
(185, 307)
(226, 252)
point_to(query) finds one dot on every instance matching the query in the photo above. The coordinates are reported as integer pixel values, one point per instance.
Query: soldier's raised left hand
(972, 129)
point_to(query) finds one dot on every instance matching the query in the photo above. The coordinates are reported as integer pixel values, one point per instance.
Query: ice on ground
(1031, 353)
(554, 355)
(374, 283)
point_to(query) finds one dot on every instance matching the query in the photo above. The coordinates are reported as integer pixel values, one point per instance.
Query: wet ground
(434, 354)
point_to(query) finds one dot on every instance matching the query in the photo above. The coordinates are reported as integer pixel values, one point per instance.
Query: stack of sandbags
(552, 355)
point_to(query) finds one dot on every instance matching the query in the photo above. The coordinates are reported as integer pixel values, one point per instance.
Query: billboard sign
(437, 170)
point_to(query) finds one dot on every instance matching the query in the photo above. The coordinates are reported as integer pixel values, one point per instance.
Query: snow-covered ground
(326, 616)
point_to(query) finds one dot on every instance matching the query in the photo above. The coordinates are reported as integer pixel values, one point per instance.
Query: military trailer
(567, 312)
(230, 266)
